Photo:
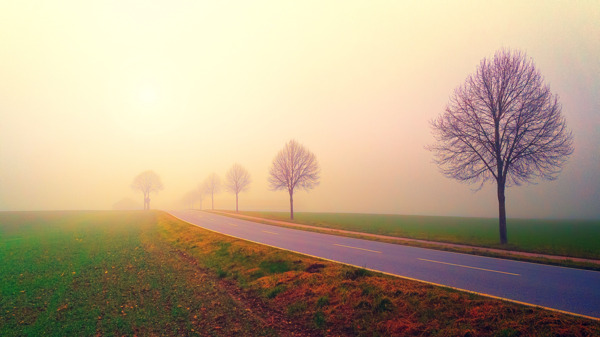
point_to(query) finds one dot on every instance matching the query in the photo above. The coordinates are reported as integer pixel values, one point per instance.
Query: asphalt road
(566, 289)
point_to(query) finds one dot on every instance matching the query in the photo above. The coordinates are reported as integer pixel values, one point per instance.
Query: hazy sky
(94, 92)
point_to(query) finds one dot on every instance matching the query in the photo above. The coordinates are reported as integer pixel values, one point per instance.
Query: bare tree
(502, 125)
(147, 182)
(190, 198)
(202, 191)
(212, 186)
(237, 180)
(294, 167)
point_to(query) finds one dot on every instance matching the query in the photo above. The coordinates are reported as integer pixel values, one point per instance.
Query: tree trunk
(291, 205)
(502, 212)
(500, 181)
(236, 203)
(212, 201)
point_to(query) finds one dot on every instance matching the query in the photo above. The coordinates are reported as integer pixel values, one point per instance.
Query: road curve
(565, 289)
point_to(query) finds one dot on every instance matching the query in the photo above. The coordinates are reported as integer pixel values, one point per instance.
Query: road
(565, 289)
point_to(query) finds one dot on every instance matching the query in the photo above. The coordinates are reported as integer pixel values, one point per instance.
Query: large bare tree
(294, 167)
(237, 180)
(502, 125)
(147, 182)
(212, 186)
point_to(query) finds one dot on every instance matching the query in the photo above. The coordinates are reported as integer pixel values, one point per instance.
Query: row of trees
(294, 168)
(502, 125)
(237, 180)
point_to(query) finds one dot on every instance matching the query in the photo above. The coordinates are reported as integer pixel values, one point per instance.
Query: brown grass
(337, 300)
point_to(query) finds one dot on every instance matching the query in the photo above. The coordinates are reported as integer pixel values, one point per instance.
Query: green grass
(574, 238)
(103, 273)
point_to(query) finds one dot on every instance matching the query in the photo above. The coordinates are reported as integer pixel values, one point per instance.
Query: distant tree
(237, 180)
(190, 198)
(201, 191)
(212, 186)
(502, 125)
(294, 167)
(147, 182)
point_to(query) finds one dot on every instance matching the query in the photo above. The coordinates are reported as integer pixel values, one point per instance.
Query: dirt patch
(315, 268)
(254, 306)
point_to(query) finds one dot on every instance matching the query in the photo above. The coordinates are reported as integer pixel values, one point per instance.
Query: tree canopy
(147, 182)
(503, 125)
(294, 167)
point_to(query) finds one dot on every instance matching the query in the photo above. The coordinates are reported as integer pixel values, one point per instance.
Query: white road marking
(368, 250)
(460, 265)
(270, 232)
(232, 224)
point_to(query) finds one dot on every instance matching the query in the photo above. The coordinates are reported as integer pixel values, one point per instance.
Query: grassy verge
(572, 238)
(339, 300)
(147, 273)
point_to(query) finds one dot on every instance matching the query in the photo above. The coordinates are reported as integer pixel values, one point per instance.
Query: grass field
(147, 273)
(573, 238)
(106, 273)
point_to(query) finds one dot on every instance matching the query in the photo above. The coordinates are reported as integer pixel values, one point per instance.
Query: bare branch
(212, 186)
(147, 182)
(294, 168)
(502, 117)
(237, 181)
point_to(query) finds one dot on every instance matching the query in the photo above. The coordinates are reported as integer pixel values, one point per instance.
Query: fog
(93, 93)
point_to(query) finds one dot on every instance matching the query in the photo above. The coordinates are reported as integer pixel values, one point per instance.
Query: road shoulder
(564, 261)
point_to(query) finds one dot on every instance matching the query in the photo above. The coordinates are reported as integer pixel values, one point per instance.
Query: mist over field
(92, 94)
